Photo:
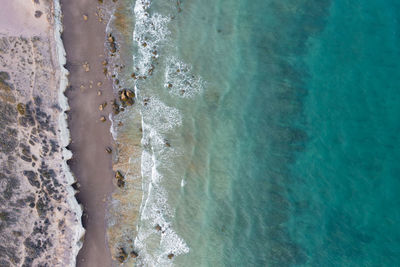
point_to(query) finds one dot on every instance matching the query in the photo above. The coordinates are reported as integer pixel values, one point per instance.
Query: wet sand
(84, 42)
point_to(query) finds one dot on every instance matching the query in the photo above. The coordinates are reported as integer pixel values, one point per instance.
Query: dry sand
(39, 216)
(84, 38)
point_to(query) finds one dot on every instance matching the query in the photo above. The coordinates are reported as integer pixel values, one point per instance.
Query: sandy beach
(58, 193)
(83, 39)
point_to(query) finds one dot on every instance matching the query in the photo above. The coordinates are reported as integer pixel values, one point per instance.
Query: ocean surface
(270, 132)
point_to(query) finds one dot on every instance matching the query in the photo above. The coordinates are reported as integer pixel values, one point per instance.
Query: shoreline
(83, 38)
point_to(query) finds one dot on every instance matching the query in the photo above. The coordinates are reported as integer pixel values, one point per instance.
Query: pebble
(86, 66)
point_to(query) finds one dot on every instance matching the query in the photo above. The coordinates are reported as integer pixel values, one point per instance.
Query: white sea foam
(180, 81)
(162, 117)
(113, 132)
(150, 31)
(158, 120)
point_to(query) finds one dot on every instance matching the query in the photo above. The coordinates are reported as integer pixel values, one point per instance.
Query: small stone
(126, 96)
(134, 254)
(38, 13)
(104, 63)
(115, 107)
(130, 94)
(103, 119)
(85, 17)
(120, 183)
(86, 66)
(122, 255)
(170, 256)
(109, 150)
(144, 44)
(118, 175)
(113, 47)
(99, 93)
(99, 84)
(158, 227)
(169, 85)
(101, 107)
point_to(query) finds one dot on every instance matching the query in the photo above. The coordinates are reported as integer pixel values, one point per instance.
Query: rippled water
(269, 132)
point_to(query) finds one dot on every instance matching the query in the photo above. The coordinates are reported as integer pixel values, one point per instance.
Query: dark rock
(134, 254)
(118, 175)
(113, 48)
(109, 150)
(158, 227)
(122, 255)
(121, 183)
(170, 256)
(126, 97)
(115, 107)
(38, 13)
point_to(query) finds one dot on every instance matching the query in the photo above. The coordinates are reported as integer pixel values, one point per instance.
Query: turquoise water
(282, 121)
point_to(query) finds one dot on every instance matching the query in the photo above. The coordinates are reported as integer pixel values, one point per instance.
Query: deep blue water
(288, 155)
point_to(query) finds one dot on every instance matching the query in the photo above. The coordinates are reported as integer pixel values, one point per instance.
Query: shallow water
(269, 132)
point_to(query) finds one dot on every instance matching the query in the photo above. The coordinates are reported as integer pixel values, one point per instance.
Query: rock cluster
(126, 97)
(112, 43)
(120, 179)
